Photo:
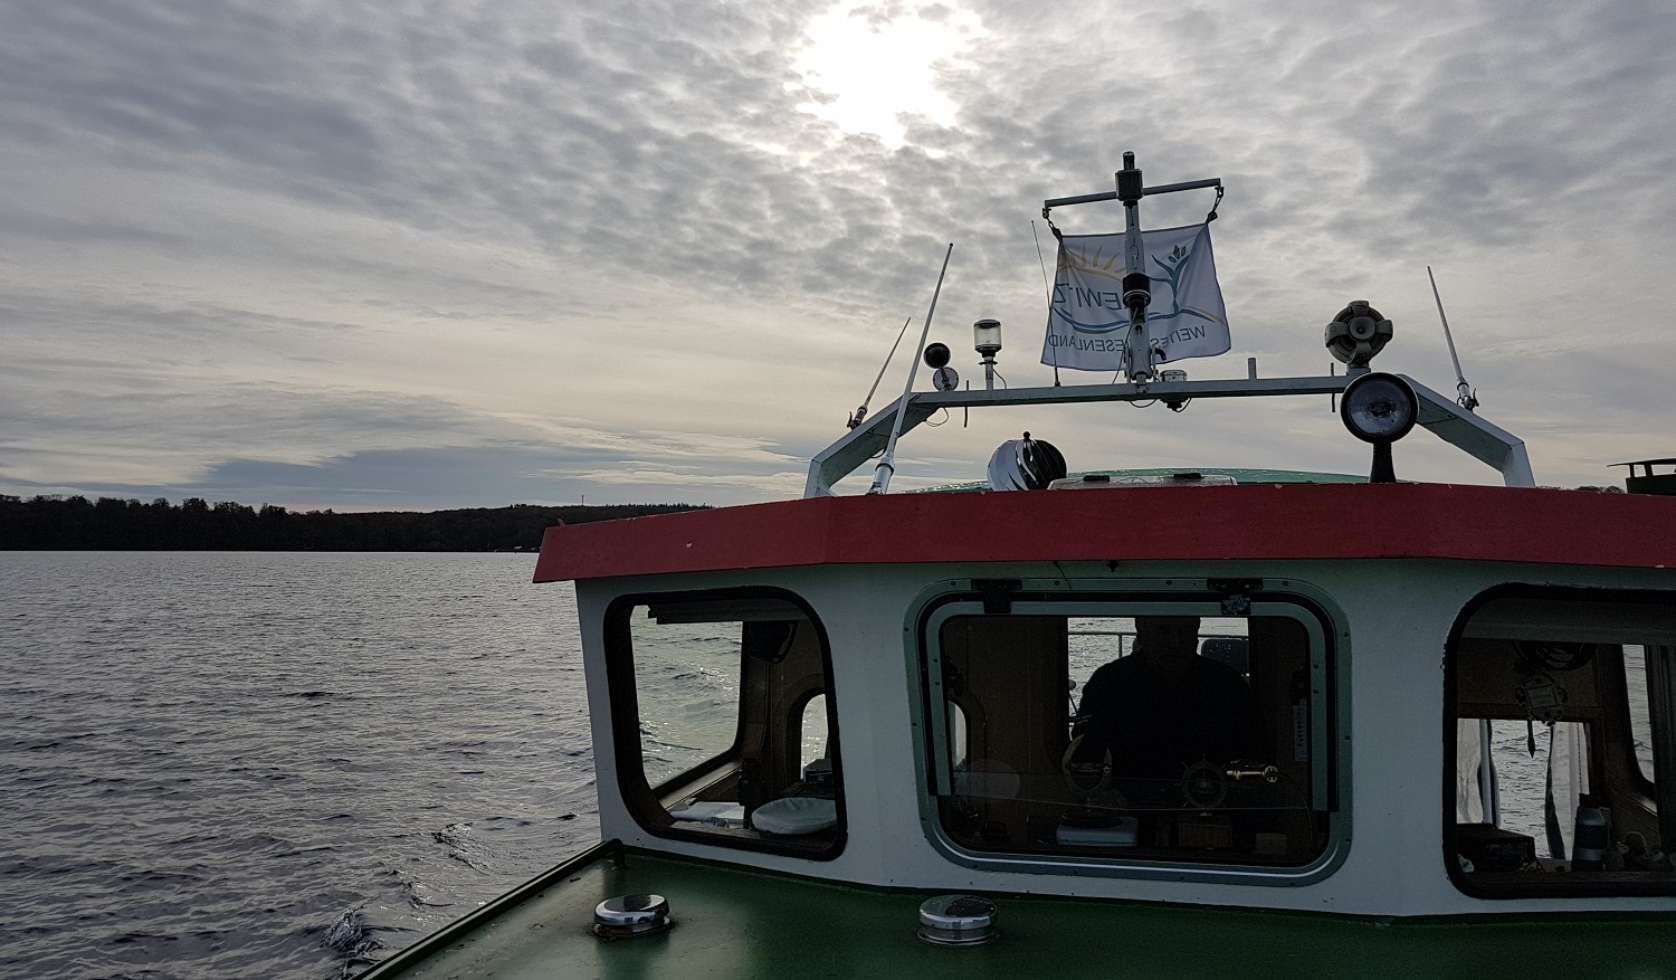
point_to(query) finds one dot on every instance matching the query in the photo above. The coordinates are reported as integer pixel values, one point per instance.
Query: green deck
(737, 923)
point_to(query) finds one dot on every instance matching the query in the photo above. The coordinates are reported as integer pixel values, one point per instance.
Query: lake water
(281, 765)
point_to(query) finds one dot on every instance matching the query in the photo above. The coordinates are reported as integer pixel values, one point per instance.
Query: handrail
(1464, 430)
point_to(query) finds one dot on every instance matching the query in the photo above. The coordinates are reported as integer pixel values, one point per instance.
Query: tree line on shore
(110, 523)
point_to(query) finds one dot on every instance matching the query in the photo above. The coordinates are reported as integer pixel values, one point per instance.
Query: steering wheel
(1204, 785)
(1085, 778)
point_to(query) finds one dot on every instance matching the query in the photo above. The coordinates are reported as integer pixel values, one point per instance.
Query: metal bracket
(997, 594)
(866, 440)
(1236, 594)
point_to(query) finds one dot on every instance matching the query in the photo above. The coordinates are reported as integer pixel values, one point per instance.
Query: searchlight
(1379, 408)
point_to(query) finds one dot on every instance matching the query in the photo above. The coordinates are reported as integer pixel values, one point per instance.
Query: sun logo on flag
(1091, 265)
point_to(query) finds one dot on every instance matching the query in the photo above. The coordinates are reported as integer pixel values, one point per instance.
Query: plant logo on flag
(1087, 322)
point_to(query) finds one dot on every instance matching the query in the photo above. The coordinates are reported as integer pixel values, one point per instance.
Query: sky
(420, 255)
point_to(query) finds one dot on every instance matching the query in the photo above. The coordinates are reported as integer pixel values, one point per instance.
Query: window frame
(1330, 709)
(1582, 887)
(643, 800)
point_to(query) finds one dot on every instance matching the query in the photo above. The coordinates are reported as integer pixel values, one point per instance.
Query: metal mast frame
(1137, 285)
(1484, 441)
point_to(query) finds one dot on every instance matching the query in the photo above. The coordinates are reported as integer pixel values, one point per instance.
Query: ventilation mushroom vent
(957, 920)
(628, 916)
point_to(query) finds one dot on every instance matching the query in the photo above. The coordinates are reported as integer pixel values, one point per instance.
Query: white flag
(1087, 324)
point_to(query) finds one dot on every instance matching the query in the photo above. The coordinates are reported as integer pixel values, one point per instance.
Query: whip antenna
(1465, 395)
(887, 463)
(861, 413)
(1049, 290)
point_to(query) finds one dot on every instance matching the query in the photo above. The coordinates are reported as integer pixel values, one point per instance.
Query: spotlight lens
(1379, 408)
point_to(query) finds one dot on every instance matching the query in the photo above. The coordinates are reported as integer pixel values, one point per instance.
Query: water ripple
(235, 764)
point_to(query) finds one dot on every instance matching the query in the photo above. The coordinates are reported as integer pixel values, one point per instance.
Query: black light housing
(936, 355)
(1379, 408)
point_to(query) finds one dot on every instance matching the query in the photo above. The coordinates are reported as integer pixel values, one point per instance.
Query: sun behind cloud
(876, 62)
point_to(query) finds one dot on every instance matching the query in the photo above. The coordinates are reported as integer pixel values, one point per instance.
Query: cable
(1041, 261)
(946, 417)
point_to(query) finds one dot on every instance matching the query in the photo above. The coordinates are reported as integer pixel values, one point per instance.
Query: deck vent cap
(627, 916)
(957, 920)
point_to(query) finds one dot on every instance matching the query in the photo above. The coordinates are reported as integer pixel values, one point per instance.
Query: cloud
(372, 240)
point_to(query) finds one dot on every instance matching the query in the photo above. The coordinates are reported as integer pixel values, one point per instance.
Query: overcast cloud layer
(423, 255)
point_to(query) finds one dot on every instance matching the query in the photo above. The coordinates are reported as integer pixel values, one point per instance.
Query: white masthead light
(986, 340)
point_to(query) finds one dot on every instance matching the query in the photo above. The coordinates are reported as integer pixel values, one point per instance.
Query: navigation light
(986, 340)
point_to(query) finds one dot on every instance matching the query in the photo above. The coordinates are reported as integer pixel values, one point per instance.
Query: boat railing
(1463, 429)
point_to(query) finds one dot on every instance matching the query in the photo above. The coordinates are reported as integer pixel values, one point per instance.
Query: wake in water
(351, 937)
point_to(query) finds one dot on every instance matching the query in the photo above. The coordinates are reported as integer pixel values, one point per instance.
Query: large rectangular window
(1562, 709)
(723, 723)
(1129, 733)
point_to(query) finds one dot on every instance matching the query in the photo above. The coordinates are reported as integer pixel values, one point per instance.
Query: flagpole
(1049, 290)
(1137, 286)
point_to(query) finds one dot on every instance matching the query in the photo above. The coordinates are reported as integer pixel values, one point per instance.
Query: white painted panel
(1398, 615)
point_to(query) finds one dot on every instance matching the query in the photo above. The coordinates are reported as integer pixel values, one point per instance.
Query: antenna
(861, 413)
(887, 463)
(1049, 290)
(1465, 395)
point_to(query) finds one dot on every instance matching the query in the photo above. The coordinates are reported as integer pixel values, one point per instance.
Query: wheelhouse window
(1562, 705)
(1132, 733)
(723, 720)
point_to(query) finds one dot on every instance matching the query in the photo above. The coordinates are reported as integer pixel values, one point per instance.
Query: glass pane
(1640, 723)
(686, 677)
(1154, 737)
(813, 731)
(733, 720)
(957, 735)
(1564, 685)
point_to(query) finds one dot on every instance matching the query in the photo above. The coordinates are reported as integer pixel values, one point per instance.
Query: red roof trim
(1245, 522)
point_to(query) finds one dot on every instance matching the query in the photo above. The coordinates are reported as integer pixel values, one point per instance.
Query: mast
(1137, 285)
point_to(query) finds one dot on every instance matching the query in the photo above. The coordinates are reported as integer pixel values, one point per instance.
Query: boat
(1122, 724)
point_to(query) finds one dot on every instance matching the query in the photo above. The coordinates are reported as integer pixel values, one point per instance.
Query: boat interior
(1589, 673)
(764, 763)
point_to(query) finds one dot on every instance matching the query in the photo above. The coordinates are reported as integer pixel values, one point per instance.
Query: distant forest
(49, 523)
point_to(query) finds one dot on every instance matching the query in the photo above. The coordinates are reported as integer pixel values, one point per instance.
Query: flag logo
(1087, 323)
